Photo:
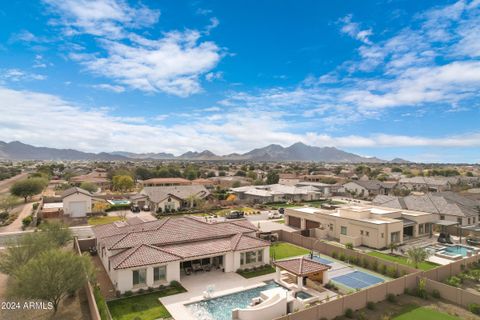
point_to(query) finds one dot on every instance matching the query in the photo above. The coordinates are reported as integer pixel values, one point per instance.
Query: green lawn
(416, 312)
(95, 221)
(142, 307)
(426, 265)
(282, 221)
(256, 273)
(282, 250)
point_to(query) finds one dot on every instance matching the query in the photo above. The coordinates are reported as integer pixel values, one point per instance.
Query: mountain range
(16, 150)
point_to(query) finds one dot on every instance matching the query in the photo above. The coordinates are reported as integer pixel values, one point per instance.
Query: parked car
(281, 210)
(135, 208)
(274, 215)
(235, 215)
(146, 208)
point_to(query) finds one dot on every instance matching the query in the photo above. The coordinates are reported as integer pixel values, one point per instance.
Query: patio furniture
(197, 267)
(188, 271)
(207, 267)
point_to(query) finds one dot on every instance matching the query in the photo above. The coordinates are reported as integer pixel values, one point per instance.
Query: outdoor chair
(207, 267)
(188, 271)
(197, 267)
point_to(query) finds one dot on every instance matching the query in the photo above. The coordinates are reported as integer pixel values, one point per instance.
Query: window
(251, 257)
(459, 220)
(395, 236)
(139, 276)
(367, 233)
(331, 226)
(383, 235)
(468, 220)
(420, 228)
(473, 220)
(343, 230)
(442, 217)
(159, 273)
(361, 232)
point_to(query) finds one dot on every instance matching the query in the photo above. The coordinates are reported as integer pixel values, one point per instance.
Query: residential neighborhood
(240, 160)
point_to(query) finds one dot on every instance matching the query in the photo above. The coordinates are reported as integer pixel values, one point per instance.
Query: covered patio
(302, 272)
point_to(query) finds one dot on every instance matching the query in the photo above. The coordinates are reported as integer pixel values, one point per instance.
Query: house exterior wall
(77, 197)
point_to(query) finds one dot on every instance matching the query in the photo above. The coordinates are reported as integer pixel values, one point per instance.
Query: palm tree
(392, 246)
(417, 255)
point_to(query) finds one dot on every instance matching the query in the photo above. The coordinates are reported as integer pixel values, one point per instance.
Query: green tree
(236, 184)
(8, 203)
(272, 177)
(417, 255)
(143, 173)
(122, 183)
(252, 175)
(22, 250)
(28, 187)
(58, 233)
(392, 246)
(222, 174)
(89, 186)
(51, 276)
(241, 173)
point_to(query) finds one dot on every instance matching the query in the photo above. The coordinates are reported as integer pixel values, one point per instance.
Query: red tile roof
(141, 256)
(301, 266)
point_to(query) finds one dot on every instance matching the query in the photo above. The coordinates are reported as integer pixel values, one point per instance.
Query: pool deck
(196, 284)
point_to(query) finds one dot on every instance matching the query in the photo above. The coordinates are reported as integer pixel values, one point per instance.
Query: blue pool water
(321, 260)
(221, 308)
(357, 280)
(453, 250)
(119, 202)
(303, 295)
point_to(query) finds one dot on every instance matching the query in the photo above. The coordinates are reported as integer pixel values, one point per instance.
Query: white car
(274, 215)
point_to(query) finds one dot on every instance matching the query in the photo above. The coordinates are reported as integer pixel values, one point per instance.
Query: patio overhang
(408, 222)
(445, 223)
(302, 267)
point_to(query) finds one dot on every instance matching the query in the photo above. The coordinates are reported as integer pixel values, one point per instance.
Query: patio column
(300, 282)
(277, 274)
(325, 277)
(303, 224)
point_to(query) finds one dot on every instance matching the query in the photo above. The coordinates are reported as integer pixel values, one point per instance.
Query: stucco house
(138, 254)
(170, 198)
(368, 188)
(77, 202)
(277, 193)
(370, 226)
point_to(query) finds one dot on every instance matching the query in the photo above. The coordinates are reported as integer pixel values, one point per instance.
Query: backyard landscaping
(425, 265)
(415, 312)
(95, 221)
(467, 279)
(260, 271)
(144, 306)
(282, 250)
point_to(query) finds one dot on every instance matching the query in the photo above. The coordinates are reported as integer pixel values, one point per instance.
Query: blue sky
(378, 78)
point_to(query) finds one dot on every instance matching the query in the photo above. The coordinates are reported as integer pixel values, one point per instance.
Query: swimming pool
(221, 308)
(357, 280)
(454, 250)
(119, 202)
(321, 260)
(303, 295)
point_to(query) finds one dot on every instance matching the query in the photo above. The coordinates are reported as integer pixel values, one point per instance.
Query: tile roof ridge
(236, 240)
(133, 249)
(160, 249)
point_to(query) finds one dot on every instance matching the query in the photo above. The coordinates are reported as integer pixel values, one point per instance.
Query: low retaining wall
(455, 295)
(92, 304)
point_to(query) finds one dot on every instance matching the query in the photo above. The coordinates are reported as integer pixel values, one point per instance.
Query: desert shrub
(27, 221)
(341, 257)
(391, 298)
(392, 272)
(436, 294)
(334, 255)
(349, 313)
(454, 281)
(375, 265)
(422, 289)
(474, 308)
(349, 246)
(370, 305)
(128, 293)
(383, 269)
(365, 263)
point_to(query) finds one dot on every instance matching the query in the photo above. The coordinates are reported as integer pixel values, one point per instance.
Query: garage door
(294, 222)
(78, 208)
(312, 224)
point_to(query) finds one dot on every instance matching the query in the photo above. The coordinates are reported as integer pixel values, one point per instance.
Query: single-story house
(366, 188)
(77, 202)
(434, 184)
(137, 255)
(446, 205)
(170, 198)
(166, 182)
(276, 193)
(97, 177)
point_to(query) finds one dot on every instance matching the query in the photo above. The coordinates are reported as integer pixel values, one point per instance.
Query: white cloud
(214, 76)
(353, 29)
(16, 75)
(109, 87)
(172, 63)
(106, 18)
(239, 130)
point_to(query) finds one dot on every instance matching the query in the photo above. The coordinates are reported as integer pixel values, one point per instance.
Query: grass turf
(95, 221)
(416, 312)
(256, 273)
(282, 250)
(426, 265)
(142, 307)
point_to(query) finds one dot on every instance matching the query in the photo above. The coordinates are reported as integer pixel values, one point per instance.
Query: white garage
(76, 202)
